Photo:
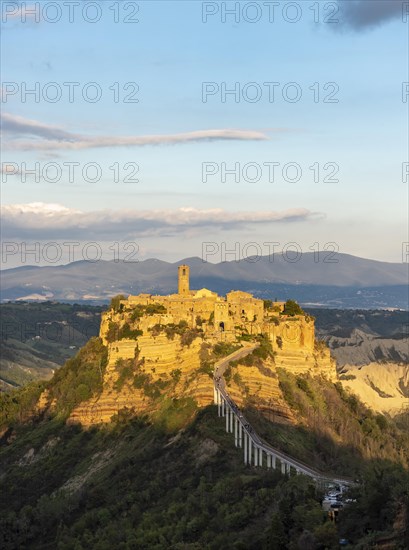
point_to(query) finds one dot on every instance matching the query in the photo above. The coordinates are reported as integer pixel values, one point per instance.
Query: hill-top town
(168, 341)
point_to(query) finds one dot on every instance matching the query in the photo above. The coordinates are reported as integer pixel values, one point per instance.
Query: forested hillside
(140, 483)
(37, 338)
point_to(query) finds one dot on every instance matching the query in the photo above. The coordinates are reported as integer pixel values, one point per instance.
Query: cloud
(52, 137)
(18, 126)
(361, 14)
(54, 221)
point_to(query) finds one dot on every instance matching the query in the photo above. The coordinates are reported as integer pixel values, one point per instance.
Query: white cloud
(52, 137)
(54, 221)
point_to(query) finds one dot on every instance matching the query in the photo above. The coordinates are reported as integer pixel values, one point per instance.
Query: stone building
(204, 306)
(219, 317)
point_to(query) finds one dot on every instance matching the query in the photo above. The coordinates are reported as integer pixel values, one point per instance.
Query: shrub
(176, 374)
(127, 332)
(188, 336)
(150, 309)
(115, 304)
(292, 308)
(125, 368)
(81, 377)
(113, 331)
(222, 349)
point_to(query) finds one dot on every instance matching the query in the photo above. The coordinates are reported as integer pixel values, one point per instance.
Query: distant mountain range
(349, 282)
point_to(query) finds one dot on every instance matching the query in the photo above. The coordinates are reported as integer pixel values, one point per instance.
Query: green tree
(115, 304)
(292, 308)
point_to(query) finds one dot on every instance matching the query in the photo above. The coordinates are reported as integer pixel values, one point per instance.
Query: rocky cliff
(383, 387)
(162, 361)
(141, 372)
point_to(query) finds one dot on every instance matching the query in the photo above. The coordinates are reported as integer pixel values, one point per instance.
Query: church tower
(183, 280)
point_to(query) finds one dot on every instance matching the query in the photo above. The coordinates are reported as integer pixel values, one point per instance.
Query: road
(220, 386)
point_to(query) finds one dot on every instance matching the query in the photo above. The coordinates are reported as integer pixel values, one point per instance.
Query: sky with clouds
(173, 124)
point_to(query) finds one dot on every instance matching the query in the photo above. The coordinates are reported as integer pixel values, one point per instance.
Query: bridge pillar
(260, 457)
(255, 456)
(223, 407)
(250, 449)
(227, 418)
(219, 402)
(268, 460)
(236, 431)
(245, 447)
(231, 420)
(273, 462)
(288, 468)
(283, 468)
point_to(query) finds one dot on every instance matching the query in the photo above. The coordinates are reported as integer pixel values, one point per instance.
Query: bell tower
(183, 280)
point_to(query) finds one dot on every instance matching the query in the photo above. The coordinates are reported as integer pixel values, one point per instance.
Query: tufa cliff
(161, 349)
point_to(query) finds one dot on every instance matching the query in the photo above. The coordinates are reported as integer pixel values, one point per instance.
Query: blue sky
(169, 54)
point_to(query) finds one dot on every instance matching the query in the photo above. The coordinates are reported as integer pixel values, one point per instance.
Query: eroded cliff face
(143, 371)
(161, 361)
(383, 387)
(258, 385)
(362, 348)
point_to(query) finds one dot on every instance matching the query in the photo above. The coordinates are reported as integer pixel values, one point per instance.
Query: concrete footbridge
(256, 451)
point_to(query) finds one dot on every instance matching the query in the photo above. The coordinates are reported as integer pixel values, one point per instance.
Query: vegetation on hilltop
(187, 334)
(116, 332)
(291, 308)
(139, 310)
(115, 303)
